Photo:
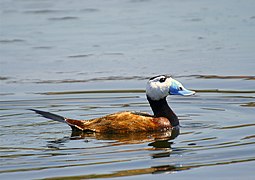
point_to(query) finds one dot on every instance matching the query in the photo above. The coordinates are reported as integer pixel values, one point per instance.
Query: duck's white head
(159, 87)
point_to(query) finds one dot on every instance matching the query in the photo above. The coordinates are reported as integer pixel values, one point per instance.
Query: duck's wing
(114, 123)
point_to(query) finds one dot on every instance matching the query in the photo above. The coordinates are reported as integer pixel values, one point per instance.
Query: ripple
(43, 47)
(45, 11)
(114, 53)
(89, 10)
(3, 78)
(63, 18)
(248, 137)
(236, 126)
(108, 78)
(223, 91)
(223, 77)
(214, 109)
(80, 55)
(7, 41)
(95, 91)
(197, 140)
(248, 104)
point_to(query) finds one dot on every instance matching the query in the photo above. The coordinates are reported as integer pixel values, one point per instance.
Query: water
(86, 59)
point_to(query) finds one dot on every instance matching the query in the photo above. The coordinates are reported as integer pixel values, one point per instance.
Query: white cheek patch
(158, 90)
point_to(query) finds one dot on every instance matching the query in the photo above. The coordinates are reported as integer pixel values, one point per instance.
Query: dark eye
(180, 88)
(162, 80)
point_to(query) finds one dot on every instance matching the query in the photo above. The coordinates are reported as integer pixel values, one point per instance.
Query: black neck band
(160, 108)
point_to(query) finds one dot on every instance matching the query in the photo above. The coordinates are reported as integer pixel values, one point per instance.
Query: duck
(163, 118)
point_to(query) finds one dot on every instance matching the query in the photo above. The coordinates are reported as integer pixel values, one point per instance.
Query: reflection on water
(157, 140)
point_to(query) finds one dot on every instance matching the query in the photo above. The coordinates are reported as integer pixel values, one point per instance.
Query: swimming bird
(163, 119)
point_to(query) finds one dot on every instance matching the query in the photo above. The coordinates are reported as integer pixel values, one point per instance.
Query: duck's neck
(160, 108)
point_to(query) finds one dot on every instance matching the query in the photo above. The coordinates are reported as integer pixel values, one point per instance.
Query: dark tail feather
(49, 115)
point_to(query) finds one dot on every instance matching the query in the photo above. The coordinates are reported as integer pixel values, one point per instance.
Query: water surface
(86, 59)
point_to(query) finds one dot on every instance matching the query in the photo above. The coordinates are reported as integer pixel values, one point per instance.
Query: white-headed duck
(157, 89)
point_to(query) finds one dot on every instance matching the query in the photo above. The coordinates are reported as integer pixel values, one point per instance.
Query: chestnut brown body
(122, 122)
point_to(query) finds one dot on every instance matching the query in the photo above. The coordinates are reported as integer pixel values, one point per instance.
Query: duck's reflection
(129, 138)
(159, 145)
(157, 140)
